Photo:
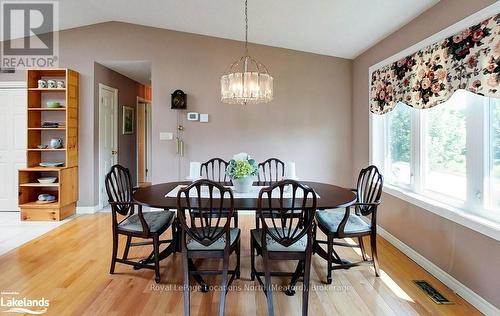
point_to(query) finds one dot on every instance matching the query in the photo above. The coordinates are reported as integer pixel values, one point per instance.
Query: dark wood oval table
(330, 197)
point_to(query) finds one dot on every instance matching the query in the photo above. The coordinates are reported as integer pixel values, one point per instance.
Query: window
(445, 149)
(494, 161)
(399, 145)
(449, 153)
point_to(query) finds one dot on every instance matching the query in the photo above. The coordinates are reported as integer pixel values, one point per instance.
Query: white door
(12, 141)
(108, 138)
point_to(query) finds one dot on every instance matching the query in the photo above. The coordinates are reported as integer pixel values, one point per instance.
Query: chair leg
(252, 259)
(329, 259)
(362, 248)
(225, 267)
(186, 283)
(257, 222)
(305, 290)
(269, 292)
(115, 251)
(127, 247)
(314, 239)
(156, 249)
(373, 243)
(238, 255)
(236, 219)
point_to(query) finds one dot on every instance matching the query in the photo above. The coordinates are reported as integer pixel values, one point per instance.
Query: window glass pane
(495, 152)
(399, 144)
(445, 147)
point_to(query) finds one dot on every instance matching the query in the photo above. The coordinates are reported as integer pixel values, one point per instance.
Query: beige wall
(308, 122)
(470, 257)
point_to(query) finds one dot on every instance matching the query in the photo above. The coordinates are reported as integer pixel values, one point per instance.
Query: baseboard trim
(463, 291)
(88, 209)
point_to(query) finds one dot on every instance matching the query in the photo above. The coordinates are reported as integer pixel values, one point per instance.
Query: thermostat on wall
(192, 116)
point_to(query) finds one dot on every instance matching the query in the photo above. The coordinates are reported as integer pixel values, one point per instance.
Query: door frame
(102, 173)
(14, 85)
(149, 139)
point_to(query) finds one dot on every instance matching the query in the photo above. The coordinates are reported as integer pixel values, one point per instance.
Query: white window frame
(470, 214)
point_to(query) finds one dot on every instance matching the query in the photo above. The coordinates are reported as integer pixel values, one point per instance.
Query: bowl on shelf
(47, 180)
(46, 198)
(53, 104)
(51, 164)
(42, 146)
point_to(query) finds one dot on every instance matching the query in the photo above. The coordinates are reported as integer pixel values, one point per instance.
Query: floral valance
(468, 60)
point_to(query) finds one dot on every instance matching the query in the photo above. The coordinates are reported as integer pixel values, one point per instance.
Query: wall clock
(179, 100)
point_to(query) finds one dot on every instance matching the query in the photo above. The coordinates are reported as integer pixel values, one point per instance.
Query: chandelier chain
(246, 27)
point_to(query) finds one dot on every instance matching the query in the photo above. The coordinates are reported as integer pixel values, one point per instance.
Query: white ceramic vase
(243, 185)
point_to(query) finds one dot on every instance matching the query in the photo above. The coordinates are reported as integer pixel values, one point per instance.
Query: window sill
(479, 224)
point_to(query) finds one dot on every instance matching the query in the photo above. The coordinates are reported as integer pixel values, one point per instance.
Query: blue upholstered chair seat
(273, 245)
(155, 221)
(219, 244)
(330, 219)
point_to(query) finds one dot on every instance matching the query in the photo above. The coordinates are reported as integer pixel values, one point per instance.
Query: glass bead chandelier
(247, 80)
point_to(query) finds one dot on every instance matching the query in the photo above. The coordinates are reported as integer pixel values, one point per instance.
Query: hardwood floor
(70, 267)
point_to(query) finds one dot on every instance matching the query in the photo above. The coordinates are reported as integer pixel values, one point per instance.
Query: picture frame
(128, 120)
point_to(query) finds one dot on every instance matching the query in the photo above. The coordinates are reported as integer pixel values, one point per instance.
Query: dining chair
(204, 210)
(336, 224)
(270, 171)
(144, 225)
(215, 170)
(284, 235)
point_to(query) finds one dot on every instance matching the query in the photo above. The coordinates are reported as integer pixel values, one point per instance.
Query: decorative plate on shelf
(51, 164)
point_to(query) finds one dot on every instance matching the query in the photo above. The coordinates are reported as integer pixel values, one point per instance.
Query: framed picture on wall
(128, 120)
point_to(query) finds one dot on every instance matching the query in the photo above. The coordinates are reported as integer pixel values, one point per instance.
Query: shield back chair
(144, 225)
(336, 224)
(204, 210)
(286, 234)
(215, 170)
(270, 171)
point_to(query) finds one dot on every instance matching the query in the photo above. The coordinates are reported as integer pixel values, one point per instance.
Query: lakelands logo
(27, 34)
(23, 305)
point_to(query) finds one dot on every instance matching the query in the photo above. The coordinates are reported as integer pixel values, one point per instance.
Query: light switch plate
(203, 118)
(166, 136)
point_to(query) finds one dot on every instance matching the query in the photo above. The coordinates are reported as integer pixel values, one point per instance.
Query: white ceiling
(138, 70)
(342, 28)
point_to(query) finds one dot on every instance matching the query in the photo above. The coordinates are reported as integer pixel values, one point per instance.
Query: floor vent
(433, 294)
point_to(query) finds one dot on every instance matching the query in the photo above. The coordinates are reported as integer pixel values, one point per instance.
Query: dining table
(163, 196)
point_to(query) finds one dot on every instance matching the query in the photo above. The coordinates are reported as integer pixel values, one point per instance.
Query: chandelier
(247, 80)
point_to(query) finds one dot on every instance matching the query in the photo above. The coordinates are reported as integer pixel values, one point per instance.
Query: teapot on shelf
(56, 143)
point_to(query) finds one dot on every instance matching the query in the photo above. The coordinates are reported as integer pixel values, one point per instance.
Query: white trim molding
(463, 291)
(12, 84)
(89, 209)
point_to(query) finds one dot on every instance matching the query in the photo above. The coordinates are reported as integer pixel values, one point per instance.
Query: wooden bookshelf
(65, 189)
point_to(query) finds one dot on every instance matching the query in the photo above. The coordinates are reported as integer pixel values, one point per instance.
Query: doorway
(13, 142)
(108, 136)
(143, 142)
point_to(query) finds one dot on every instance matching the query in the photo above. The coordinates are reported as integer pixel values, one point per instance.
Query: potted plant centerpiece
(241, 170)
